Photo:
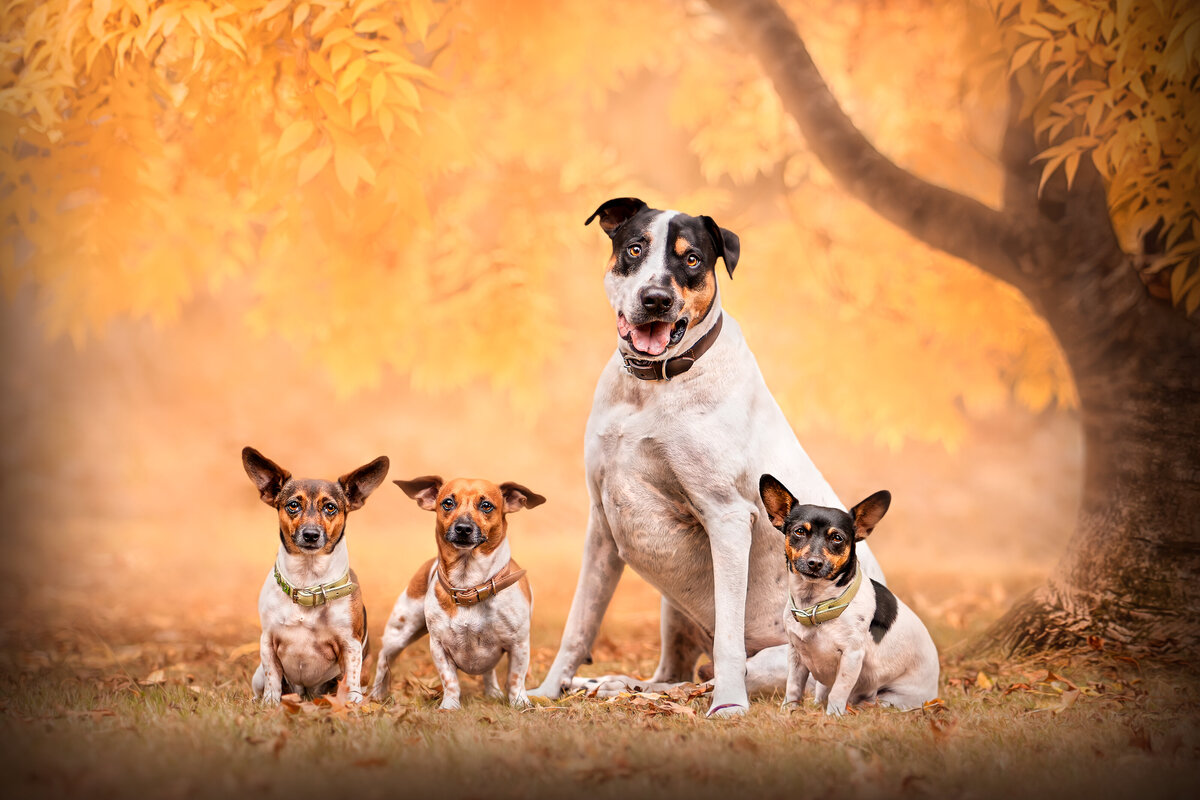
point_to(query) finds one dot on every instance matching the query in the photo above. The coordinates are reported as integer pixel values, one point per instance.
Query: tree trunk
(1131, 571)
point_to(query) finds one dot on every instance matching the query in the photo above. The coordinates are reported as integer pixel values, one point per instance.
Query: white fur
(901, 670)
(473, 639)
(299, 643)
(673, 470)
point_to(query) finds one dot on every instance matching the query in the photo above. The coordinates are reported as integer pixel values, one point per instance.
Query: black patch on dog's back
(885, 611)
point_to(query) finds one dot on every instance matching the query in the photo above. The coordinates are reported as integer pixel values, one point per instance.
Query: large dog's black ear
(359, 484)
(728, 245)
(613, 213)
(268, 476)
(777, 500)
(868, 513)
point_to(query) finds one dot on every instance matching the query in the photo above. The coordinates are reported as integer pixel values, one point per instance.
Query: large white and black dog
(682, 426)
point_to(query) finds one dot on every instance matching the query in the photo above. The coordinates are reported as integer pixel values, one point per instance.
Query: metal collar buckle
(658, 369)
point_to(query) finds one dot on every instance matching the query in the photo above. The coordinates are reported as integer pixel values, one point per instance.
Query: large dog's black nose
(655, 300)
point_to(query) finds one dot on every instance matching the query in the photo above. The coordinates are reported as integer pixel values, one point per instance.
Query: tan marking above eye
(807, 526)
(681, 246)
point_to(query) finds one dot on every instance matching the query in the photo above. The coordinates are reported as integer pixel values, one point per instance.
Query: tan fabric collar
(485, 591)
(650, 370)
(826, 610)
(317, 595)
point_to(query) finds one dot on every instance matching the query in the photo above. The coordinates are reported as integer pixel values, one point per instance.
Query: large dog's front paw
(378, 694)
(835, 709)
(607, 686)
(727, 710)
(551, 689)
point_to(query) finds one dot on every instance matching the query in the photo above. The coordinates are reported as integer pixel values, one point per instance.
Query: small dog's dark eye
(635, 250)
(448, 504)
(692, 260)
(486, 506)
(293, 506)
(837, 538)
(330, 509)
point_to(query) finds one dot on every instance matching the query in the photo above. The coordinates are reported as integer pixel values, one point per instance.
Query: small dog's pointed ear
(728, 245)
(517, 497)
(868, 513)
(359, 484)
(268, 476)
(424, 490)
(777, 500)
(613, 213)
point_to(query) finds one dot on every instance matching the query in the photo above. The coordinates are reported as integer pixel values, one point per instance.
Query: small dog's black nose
(464, 528)
(655, 300)
(310, 537)
(814, 564)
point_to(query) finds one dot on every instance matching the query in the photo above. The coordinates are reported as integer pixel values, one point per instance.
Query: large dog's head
(662, 278)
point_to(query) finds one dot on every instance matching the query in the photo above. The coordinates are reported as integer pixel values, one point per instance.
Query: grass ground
(111, 702)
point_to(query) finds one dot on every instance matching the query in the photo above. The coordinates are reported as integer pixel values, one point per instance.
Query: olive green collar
(827, 610)
(317, 595)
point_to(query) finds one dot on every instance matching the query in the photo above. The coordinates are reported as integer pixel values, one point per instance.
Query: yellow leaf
(293, 136)
(387, 123)
(351, 75)
(100, 9)
(378, 88)
(272, 8)
(358, 108)
(301, 13)
(313, 163)
(351, 167)
(338, 57)
(365, 6)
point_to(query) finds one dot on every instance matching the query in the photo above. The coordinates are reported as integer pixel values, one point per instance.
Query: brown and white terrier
(473, 599)
(314, 625)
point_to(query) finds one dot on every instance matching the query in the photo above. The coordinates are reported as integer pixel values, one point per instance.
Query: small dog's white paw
(790, 705)
(449, 705)
(521, 701)
(354, 697)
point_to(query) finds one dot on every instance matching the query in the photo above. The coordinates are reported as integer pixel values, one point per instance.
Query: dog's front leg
(448, 672)
(797, 676)
(272, 689)
(849, 668)
(352, 663)
(518, 666)
(598, 576)
(729, 537)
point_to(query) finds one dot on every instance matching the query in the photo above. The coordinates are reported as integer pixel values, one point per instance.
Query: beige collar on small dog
(826, 610)
(317, 595)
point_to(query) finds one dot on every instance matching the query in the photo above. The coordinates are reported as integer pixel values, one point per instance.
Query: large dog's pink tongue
(651, 338)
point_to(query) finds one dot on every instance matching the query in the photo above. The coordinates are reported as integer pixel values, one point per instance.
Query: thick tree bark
(1131, 569)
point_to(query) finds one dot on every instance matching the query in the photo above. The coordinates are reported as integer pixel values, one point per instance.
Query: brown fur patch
(358, 612)
(698, 301)
(838, 560)
(445, 600)
(612, 262)
(523, 583)
(419, 584)
(681, 246)
(806, 525)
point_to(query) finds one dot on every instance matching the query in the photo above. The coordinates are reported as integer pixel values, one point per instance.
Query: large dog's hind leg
(682, 642)
(598, 576)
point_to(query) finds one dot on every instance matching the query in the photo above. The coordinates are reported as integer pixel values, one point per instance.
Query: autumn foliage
(383, 178)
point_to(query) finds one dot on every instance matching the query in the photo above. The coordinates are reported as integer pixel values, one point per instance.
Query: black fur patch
(885, 611)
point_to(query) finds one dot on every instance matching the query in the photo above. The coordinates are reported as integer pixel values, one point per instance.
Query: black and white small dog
(854, 637)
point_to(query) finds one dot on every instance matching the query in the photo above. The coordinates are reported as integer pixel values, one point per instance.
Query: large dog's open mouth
(651, 338)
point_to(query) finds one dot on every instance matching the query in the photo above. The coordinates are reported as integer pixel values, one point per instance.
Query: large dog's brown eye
(692, 260)
(635, 250)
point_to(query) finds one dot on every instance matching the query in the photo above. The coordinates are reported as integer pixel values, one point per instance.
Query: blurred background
(337, 230)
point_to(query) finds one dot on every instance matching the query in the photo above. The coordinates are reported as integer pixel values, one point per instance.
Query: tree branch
(946, 220)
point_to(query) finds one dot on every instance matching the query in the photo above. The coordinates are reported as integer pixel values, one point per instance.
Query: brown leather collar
(647, 370)
(485, 591)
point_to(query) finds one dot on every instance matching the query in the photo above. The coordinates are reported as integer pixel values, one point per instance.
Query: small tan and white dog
(469, 628)
(314, 625)
(860, 645)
